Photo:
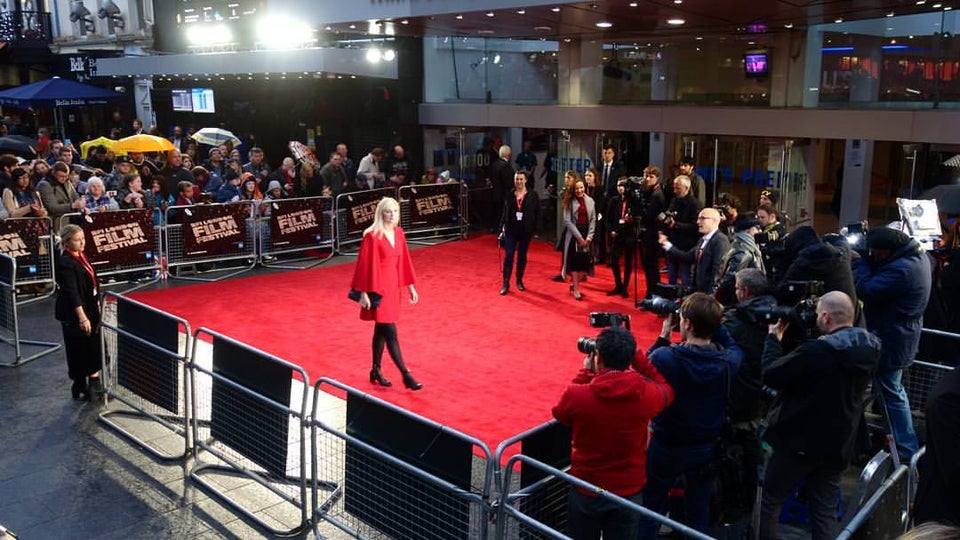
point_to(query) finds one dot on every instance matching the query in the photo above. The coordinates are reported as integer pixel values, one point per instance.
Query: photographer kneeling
(608, 408)
(700, 370)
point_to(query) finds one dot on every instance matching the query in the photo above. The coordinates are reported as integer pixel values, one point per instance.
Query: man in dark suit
(707, 255)
(611, 170)
(179, 141)
(501, 176)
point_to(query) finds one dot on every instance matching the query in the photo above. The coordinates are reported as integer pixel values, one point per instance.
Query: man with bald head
(708, 253)
(813, 422)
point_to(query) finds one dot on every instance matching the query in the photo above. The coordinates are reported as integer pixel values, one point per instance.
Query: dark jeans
(627, 249)
(666, 463)
(591, 517)
(515, 244)
(783, 473)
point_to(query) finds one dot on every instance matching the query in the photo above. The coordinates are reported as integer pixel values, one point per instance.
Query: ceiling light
(389, 55)
(788, 25)
(604, 24)
(542, 28)
(677, 1)
(521, 12)
(699, 38)
(485, 32)
(555, 9)
(459, 17)
(353, 27)
(893, 42)
(567, 40)
(921, 2)
(405, 21)
(374, 55)
(675, 22)
(937, 6)
(489, 14)
(328, 28)
(633, 4)
(839, 20)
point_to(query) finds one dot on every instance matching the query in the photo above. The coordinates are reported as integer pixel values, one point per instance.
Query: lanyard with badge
(520, 207)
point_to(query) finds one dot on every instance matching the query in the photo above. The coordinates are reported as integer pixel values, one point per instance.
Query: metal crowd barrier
(874, 473)
(143, 273)
(238, 246)
(354, 213)
(382, 471)
(9, 319)
(312, 225)
(146, 357)
(884, 515)
(249, 412)
(421, 204)
(32, 241)
(535, 504)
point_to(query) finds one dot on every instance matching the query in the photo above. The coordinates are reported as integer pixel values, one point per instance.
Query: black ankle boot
(505, 288)
(79, 390)
(377, 378)
(410, 382)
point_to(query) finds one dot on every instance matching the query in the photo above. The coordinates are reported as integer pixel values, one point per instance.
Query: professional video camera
(797, 305)
(601, 319)
(636, 196)
(664, 299)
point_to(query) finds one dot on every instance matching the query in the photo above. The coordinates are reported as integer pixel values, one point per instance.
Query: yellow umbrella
(86, 146)
(142, 143)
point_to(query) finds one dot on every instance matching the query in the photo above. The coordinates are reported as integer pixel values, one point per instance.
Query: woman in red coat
(383, 267)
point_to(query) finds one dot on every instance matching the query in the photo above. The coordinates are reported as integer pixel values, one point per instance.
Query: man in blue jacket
(893, 281)
(701, 370)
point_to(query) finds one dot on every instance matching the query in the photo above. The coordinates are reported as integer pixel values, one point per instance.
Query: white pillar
(857, 169)
(143, 101)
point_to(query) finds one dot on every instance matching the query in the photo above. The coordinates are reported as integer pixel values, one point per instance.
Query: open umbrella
(303, 152)
(142, 143)
(19, 146)
(215, 137)
(87, 145)
(953, 162)
(947, 197)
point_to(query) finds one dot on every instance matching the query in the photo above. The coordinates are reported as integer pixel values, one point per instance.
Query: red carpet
(491, 366)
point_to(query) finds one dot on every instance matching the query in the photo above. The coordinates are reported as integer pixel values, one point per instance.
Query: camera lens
(586, 345)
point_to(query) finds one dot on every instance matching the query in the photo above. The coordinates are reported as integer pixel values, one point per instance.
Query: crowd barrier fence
(249, 414)
(355, 212)
(210, 234)
(10, 319)
(884, 515)
(382, 471)
(291, 226)
(873, 474)
(31, 242)
(146, 358)
(434, 213)
(535, 504)
(121, 242)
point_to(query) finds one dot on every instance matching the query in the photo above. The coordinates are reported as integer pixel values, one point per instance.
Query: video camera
(667, 218)
(856, 235)
(664, 299)
(636, 197)
(797, 306)
(601, 319)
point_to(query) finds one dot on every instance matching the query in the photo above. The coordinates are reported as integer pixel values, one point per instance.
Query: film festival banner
(434, 205)
(20, 239)
(121, 238)
(214, 229)
(361, 206)
(296, 222)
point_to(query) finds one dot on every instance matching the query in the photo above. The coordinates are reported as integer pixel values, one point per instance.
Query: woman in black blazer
(519, 223)
(78, 310)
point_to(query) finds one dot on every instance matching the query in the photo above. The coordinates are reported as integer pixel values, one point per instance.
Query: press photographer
(770, 240)
(679, 225)
(813, 423)
(700, 369)
(654, 204)
(743, 254)
(809, 259)
(608, 408)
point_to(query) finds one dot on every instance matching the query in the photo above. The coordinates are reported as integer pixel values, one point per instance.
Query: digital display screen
(755, 63)
(202, 100)
(182, 100)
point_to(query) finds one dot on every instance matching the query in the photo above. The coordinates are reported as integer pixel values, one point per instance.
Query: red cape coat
(384, 269)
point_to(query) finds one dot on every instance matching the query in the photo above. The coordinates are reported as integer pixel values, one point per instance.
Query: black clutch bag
(374, 297)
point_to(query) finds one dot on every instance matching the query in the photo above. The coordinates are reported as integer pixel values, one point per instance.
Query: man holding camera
(700, 370)
(608, 409)
(813, 422)
(649, 223)
(679, 224)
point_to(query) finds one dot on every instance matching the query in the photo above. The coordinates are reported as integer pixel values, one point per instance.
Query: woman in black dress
(78, 310)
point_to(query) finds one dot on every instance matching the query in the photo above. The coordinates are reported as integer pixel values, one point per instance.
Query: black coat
(684, 232)
(820, 261)
(501, 176)
(821, 385)
(530, 224)
(617, 169)
(939, 467)
(75, 289)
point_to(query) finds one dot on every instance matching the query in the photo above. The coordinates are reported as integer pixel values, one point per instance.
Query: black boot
(79, 390)
(376, 377)
(410, 382)
(505, 288)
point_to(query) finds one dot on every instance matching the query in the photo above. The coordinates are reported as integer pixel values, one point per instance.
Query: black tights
(386, 334)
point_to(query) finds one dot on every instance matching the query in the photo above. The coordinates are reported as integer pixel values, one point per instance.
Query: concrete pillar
(590, 72)
(857, 169)
(661, 151)
(143, 101)
(811, 74)
(663, 75)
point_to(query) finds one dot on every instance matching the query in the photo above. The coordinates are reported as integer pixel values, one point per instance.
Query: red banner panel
(214, 229)
(120, 238)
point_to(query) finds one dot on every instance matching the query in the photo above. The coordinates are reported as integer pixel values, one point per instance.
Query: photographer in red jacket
(608, 408)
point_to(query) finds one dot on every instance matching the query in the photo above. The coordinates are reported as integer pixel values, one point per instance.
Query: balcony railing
(26, 27)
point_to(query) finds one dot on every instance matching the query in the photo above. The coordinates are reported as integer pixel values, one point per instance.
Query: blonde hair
(377, 226)
(66, 233)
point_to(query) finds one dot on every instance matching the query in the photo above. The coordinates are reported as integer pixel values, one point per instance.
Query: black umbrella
(18, 145)
(947, 197)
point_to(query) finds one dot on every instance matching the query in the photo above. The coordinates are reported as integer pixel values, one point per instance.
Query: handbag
(374, 297)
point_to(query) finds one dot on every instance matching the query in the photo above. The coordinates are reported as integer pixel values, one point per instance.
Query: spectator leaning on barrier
(893, 280)
(700, 370)
(57, 194)
(608, 408)
(97, 199)
(939, 488)
(20, 200)
(813, 422)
